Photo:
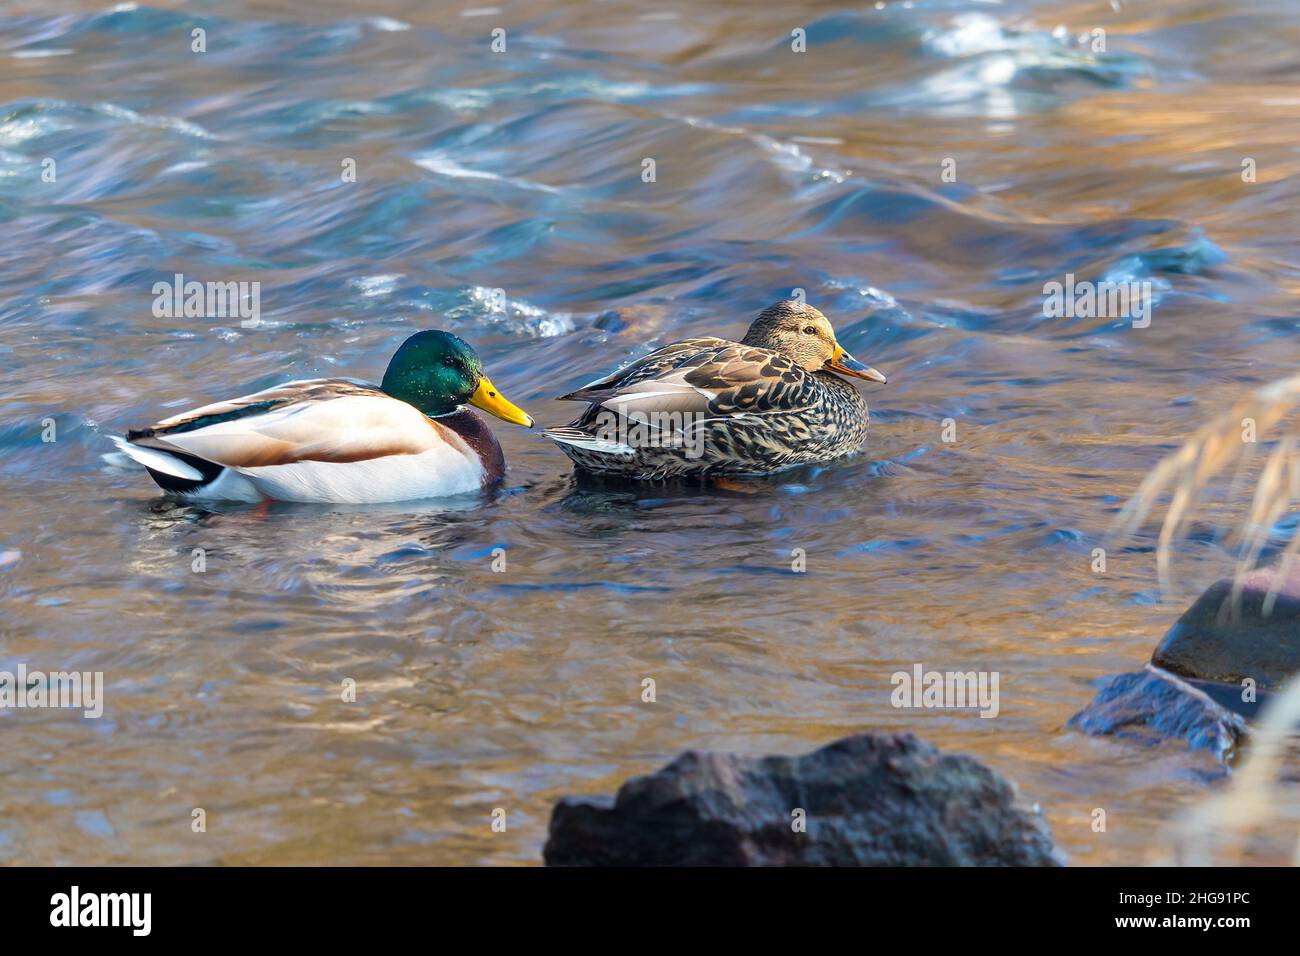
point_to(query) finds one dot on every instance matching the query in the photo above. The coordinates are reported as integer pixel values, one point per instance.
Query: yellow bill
(846, 364)
(490, 400)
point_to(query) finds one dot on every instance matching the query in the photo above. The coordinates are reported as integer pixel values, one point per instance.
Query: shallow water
(521, 171)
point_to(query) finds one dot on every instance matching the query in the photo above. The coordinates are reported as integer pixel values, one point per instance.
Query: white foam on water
(496, 307)
(441, 164)
(159, 122)
(376, 286)
(387, 25)
(40, 54)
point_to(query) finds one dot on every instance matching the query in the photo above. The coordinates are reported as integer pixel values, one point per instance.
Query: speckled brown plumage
(745, 408)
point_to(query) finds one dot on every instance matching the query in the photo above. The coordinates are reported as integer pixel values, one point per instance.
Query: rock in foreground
(868, 800)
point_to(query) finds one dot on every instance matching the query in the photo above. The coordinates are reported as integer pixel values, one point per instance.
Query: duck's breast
(460, 456)
(479, 439)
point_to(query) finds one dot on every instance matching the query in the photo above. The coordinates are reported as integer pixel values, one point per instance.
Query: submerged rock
(1198, 685)
(1153, 705)
(866, 800)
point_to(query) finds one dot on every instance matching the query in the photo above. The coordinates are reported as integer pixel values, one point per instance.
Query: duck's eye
(810, 330)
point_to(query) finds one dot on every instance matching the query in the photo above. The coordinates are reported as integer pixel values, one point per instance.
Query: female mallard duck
(339, 440)
(707, 406)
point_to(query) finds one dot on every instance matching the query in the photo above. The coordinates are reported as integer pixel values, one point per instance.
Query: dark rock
(610, 321)
(1217, 641)
(1152, 705)
(1194, 689)
(869, 800)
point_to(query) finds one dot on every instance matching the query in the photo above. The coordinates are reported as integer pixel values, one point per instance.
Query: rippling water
(521, 171)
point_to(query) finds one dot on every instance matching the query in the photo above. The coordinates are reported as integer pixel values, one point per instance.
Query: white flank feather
(590, 443)
(434, 474)
(157, 460)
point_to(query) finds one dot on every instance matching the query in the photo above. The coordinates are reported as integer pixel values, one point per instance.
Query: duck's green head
(437, 372)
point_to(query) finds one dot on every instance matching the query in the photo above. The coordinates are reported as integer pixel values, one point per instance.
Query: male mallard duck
(339, 440)
(709, 406)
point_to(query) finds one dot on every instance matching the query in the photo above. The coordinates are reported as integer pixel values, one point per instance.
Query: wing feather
(705, 376)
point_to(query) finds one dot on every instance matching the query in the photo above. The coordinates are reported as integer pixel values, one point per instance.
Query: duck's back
(710, 406)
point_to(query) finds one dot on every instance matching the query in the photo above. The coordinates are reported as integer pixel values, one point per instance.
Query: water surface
(522, 172)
